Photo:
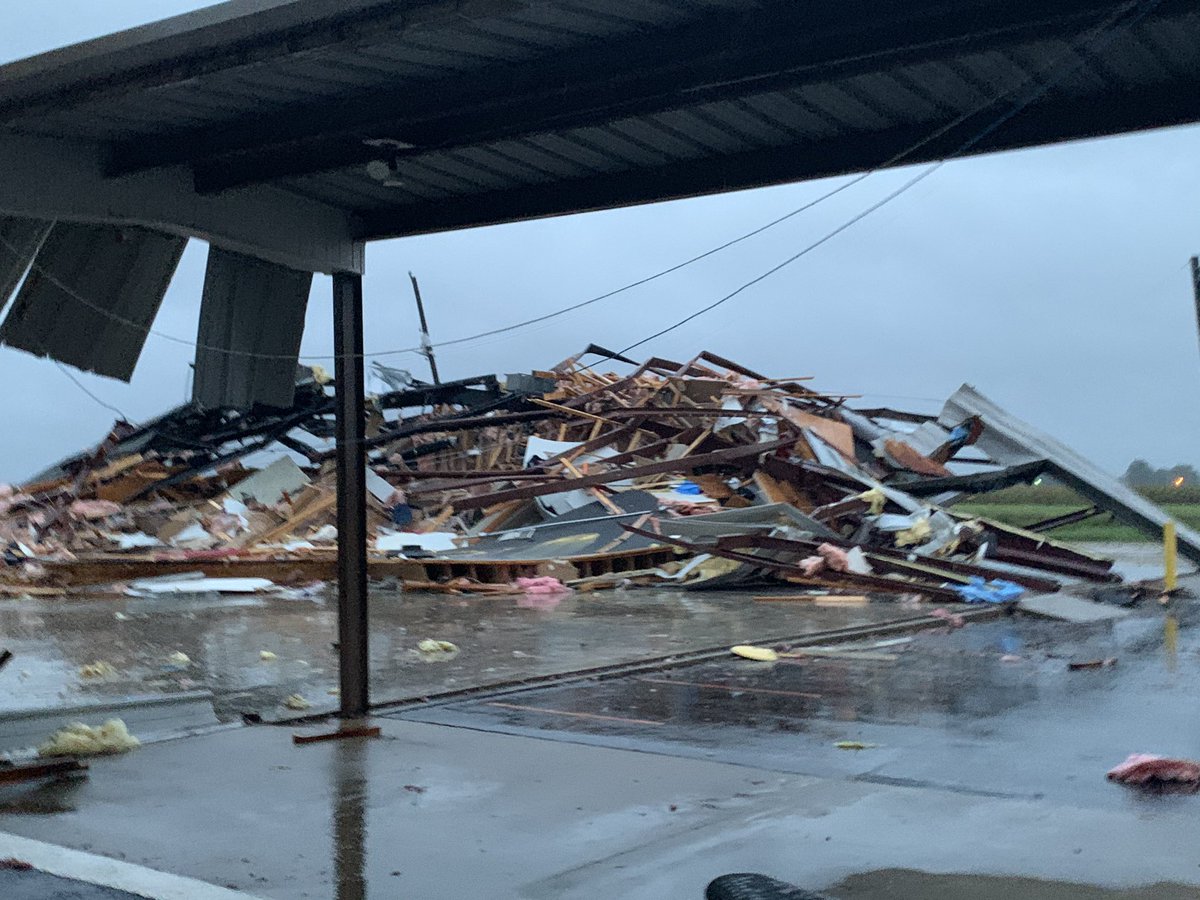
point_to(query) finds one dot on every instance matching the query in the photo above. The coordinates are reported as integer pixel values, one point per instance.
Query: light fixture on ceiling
(386, 170)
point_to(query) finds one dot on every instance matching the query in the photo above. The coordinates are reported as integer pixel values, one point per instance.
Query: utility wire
(791, 259)
(148, 330)
(83, 387)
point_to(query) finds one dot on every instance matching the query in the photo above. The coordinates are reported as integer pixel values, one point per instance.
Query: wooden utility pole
(427, 345)
(1196, 288)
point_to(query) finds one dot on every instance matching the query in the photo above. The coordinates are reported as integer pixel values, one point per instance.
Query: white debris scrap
(189, 584)
(433, 542)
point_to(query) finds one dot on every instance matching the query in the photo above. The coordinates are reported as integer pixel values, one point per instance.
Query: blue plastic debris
(688, 487)
(995, 591)
(959, 434)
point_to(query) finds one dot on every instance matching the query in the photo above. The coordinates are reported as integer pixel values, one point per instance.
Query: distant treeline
(1141, 474)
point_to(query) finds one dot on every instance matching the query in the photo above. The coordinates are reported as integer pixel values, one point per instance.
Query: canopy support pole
(353, 655)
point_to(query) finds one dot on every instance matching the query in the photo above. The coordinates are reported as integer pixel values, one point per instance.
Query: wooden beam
(717, 457)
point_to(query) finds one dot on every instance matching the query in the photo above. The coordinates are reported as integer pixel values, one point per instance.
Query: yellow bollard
(1170, 579)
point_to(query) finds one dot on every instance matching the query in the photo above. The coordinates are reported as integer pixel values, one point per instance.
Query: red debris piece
(954, 620)
(1146, 768)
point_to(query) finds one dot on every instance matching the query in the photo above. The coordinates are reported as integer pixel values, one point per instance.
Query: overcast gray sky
(1054, 280)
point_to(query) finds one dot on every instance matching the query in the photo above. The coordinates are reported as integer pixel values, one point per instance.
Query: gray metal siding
(91, 296)
(251, 323)
(20, 240)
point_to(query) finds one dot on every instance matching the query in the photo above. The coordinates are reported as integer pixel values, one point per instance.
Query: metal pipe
(426, 345)
(350, 429)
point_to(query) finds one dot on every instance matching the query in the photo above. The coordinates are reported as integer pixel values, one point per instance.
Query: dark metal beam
(1044, 122)
(720, 55)
(1079, 515)
(974, 483)
(353, 655)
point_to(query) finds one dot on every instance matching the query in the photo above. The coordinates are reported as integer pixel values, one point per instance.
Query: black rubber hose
(749, 886)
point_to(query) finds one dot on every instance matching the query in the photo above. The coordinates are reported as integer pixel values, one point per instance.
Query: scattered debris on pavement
(1093, 664)
(79, 739)
(97, 669)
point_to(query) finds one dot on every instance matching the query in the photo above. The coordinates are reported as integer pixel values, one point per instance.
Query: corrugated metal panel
(996, 73)
(497, 161)
(943, 84)
(1010, 441)
(791, 114)
(1070, 71)
(657, 138)
(894, 97)
(352, 188)
(251, 322)
(1174, 41)
(539, 158)
(839, 104)
(121, 274)
(19, 243)
(1132, 61)
(699, 131)
(736, 117)
(629, 151)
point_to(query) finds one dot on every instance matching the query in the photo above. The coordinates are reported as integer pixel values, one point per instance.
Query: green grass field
(1025, 505)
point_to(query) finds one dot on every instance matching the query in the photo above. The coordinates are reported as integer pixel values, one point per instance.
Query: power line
(791, 259)
(79, 384)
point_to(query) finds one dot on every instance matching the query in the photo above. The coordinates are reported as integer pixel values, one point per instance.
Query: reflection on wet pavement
(942, 707)
(349, 820)
(502, 638)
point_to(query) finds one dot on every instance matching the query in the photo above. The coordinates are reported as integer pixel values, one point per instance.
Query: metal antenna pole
(426, 344)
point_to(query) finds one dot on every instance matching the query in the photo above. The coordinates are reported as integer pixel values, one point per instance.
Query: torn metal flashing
(1011, 441)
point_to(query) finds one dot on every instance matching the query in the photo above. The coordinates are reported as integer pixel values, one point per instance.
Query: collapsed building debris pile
(699, 474)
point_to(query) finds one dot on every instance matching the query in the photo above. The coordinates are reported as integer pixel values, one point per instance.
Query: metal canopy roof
(483, 111)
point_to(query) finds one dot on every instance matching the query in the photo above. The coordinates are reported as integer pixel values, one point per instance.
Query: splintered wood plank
(437, 521)
(595, 492)
(300, 517)
(774, 490)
